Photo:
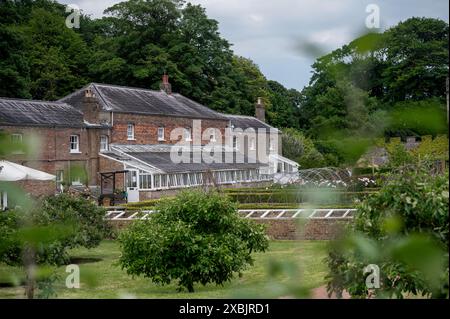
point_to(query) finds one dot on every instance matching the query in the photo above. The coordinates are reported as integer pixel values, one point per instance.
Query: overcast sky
(273, 32)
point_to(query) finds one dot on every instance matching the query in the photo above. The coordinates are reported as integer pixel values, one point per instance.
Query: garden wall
(288, 229)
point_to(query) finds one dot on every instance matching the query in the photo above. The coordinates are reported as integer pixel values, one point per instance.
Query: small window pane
(74, 143)
(104, 143)
(130, 131)
(161, 134)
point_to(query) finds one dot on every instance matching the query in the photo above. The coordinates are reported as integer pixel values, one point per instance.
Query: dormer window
(130, 131)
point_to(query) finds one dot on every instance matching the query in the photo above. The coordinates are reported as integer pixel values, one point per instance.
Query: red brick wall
(301, 229)
(38, 188)
(146, 128)
(288, 229)
(50, 149)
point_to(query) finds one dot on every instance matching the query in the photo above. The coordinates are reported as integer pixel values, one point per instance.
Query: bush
(10, 250)
(195, 237)
(404, 230)
(59, 223)
(88, 218)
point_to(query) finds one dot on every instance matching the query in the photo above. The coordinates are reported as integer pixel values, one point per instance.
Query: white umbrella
(10, 172)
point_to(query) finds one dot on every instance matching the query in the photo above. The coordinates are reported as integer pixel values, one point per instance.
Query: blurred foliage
(404, 230)
(301, 149)
(428, 149)
(51, 228)
(402, 70)
(196, 237)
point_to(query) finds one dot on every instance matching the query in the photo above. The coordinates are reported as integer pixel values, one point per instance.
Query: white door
(132, 186)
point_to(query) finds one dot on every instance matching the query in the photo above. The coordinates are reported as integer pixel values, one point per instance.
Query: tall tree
(416, 59)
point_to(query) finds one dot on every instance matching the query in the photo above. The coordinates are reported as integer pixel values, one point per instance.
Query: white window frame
(104, 143)
(161, 132)
(212, 136)
(188, 134)
(74, 140)
(16, 138)
(271, 144)
(76, 181)
(59, 179)
(130, 132)
(235, 142)
(253, 144)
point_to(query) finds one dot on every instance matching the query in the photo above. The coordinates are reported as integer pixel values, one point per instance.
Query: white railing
(319, 213)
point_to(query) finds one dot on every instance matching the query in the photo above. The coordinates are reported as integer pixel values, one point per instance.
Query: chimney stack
(90, 107)
(260, 110)
(165, 85)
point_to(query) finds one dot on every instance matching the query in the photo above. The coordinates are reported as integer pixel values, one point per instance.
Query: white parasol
(11, 172)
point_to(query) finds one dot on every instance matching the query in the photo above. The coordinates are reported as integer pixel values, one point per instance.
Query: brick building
(138, 135)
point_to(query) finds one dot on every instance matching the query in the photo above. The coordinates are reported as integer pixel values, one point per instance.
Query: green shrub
(195, 237)
(9, 243)
(404, 230)
(88, 218)
(59, 223)
(143, 205)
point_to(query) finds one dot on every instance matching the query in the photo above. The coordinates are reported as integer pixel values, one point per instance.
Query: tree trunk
(30, 268)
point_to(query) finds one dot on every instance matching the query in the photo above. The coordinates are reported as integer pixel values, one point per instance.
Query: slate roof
(160, 159)
(39, 113)
(244, 122)
(123, 99)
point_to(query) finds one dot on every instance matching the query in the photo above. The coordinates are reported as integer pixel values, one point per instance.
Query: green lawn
(102, 278)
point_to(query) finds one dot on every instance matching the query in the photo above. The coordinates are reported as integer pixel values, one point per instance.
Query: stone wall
(287, 229)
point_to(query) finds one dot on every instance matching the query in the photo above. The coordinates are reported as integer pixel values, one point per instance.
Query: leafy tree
(403, 229)
(196, 237)
(301, 149)
(416, 59)
(58, 56)
(14, 66)
(284, 110)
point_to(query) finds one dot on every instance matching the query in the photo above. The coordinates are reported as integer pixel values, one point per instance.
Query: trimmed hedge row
(275, 200)
(291, 206)
(319, 197)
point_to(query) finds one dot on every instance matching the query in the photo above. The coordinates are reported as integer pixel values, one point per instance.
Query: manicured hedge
(291, 206)
(319, 197)
(282, 198)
